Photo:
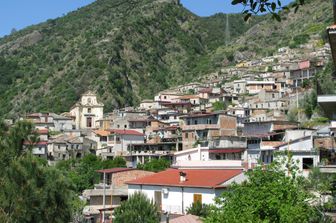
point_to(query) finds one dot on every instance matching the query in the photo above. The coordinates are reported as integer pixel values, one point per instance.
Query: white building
(87, 111)
(175, 190)
(300, 144)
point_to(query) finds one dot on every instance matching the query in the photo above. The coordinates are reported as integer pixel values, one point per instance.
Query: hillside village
(211, 130)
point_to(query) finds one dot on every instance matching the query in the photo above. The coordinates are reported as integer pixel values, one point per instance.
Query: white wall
(172, 202)
(200, 153)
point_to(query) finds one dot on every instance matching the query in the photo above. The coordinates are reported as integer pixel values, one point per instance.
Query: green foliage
(320, 182)
(137, 209)
(309, 103)
(269, 195)
(82, 172)
(317, 121)
(155, 165)
(325, 81)
(219, 106)
(30, 190)
(299, 40)
(199, 209)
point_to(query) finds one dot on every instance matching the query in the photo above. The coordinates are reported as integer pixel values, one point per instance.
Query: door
(198, 198)
(158, 199)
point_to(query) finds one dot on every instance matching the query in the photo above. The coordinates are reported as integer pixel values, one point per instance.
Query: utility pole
(104, 185)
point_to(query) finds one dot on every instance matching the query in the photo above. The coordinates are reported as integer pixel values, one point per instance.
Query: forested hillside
(129, 50)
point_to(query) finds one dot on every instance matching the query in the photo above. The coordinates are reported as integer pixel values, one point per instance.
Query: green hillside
(129, 50)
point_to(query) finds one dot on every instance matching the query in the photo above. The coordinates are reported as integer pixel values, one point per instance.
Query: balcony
(200, 127)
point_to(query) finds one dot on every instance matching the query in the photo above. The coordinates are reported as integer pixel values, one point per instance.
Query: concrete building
(200, 127)
(66, 146)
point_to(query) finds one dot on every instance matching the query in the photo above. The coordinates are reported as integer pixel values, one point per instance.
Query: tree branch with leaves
(274, 7)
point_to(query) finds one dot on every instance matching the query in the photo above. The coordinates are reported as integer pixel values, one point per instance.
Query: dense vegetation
(271, 195)
(155, 165)
(114, 46)
(137, 209)
(82, 172)
(30, 190)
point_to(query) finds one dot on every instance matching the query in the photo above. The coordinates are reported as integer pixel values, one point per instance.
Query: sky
(22, 13)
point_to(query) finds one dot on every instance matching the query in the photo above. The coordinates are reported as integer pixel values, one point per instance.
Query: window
(195, 122)
(273, 96)
(89, 110)
(125, 126)
(89, 100)
(307, 163)
(88, 122)
(197, 198)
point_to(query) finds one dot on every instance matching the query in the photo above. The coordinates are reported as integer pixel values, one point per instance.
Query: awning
(226, 150)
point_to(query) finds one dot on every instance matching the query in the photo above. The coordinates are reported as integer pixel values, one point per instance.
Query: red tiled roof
(42, 143)
(125, 132)
(101, 132)
(205, 90)
(42, 131)
(186, 219)
(204, 178)
(114, 170)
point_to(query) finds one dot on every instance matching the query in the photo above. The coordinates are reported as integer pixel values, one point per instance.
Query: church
(87, 111)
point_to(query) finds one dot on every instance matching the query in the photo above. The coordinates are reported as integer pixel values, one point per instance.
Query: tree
(137, 209)
(199, 209)
(219, 106)
(30, 191)
(269, 195)
(155, 165)
(82, 172)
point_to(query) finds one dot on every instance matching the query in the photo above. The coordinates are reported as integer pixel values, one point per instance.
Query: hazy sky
(21, 13)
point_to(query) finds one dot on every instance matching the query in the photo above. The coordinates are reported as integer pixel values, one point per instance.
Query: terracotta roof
(102, 132)
(186, 219)
(114, 170)
(272, 143)
(166, 103)
(42, 131)
(188, 96)
(205, 90)
(204, 178)
(42, 143)
(125, 132)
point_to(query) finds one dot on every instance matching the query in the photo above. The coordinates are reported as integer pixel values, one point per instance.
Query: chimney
(183, 176)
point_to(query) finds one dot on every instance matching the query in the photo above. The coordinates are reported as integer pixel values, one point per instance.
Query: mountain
(129, 50)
